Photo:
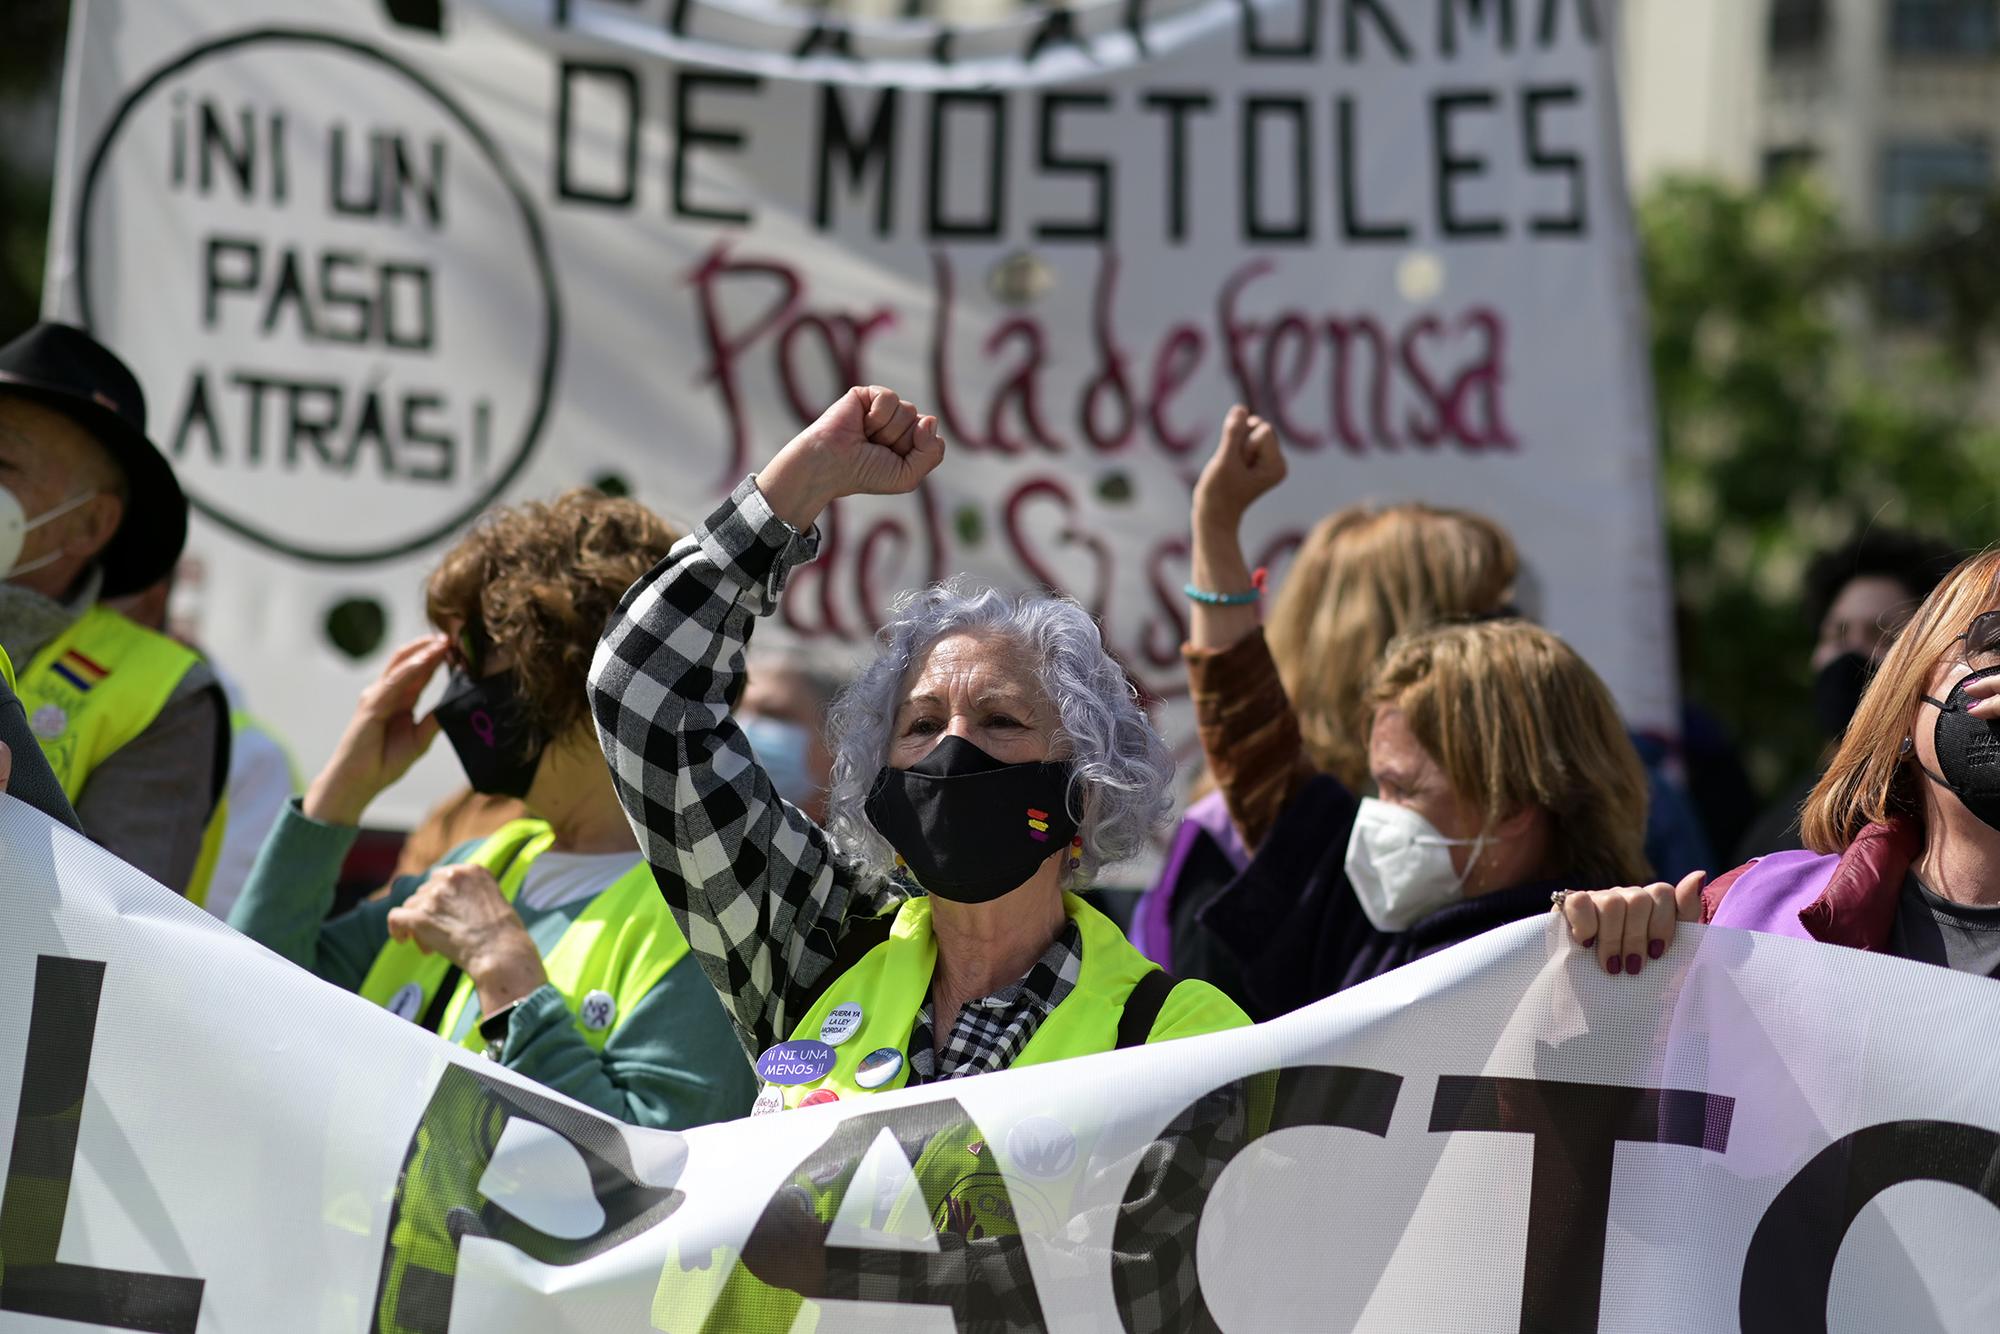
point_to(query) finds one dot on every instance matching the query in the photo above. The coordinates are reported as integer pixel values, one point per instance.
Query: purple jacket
(1152, 921)
(1849, 899)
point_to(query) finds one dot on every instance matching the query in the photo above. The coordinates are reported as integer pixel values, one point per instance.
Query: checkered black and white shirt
(762, 895)
(764, 898)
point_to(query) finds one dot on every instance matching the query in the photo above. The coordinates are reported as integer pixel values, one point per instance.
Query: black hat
(66, 369)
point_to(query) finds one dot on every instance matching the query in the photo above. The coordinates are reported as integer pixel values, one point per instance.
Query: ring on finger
(1557, 899)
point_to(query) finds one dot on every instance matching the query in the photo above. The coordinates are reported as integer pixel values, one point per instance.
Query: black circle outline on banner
(537, 243)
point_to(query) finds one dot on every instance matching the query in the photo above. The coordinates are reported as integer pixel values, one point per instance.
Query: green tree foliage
(1790, 418)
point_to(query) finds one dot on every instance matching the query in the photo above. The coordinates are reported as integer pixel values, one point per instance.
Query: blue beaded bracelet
(1203, 596)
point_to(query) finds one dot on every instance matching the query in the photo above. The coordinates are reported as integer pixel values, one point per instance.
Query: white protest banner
(1755, 1133)
(381, 263)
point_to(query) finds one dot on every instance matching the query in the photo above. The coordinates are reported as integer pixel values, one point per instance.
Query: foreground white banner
(1755, 1133)
(380, 263)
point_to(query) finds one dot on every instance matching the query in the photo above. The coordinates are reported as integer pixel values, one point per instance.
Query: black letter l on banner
(35, 1195)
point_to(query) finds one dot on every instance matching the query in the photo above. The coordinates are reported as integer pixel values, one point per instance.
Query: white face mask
(15, 525)
(1400, 865)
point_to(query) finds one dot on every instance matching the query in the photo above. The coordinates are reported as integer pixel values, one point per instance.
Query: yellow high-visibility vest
(961, 1178)
(94, 689)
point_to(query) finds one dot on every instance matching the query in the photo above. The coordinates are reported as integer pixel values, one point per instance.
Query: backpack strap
(1142, 1007)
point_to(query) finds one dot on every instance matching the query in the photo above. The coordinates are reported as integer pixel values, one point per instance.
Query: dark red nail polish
(1655, 948)
(1591, 943)
(1632, 962)
(1616, 965)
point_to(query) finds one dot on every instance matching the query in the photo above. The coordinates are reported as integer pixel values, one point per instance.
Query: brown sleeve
(1249, 734)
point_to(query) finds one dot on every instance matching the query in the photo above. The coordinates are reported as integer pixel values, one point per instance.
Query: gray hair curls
(1122, 787)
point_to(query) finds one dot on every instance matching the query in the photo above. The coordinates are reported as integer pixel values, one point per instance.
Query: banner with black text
(1755, 1133)
(381, 263)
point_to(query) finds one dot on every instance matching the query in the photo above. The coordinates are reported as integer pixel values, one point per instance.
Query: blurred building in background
(1691, 73)
(1894, 105)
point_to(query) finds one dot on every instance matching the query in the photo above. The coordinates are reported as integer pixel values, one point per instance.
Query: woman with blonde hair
(1502, 770)
(1363, 576)
(1902, 832)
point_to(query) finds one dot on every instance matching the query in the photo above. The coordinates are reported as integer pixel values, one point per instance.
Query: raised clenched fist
(868, 443)
(1248, 461)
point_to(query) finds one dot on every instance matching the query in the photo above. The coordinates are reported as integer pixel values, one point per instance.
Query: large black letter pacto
(1154, 1277)
(984, 1279)
(1577, 1128)
(1789, 1267)
(35, 1195)
(438, 1201)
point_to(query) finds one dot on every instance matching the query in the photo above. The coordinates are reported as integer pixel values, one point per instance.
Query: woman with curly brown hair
(547, 944)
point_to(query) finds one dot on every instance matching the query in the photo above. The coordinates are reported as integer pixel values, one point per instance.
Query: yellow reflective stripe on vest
(211, 852)
(622, 943)
(982, 1190)
(6, 669)
(94, 689)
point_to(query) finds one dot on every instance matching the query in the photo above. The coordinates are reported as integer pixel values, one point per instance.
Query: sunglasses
(1982, 636)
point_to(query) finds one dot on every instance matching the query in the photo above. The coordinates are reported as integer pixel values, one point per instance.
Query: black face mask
(1968, 750)
(487, 725)
(1837, 691)
(969, 827)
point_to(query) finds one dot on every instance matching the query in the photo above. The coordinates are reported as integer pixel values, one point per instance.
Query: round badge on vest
(49, 722)
(769, 1100)
(409, 998)
(597, 1011)
(794, 1062)
(878, 1067)
(841, 1023)
(819, 1097)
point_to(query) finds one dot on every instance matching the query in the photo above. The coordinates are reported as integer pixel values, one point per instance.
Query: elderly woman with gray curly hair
(990, 761)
